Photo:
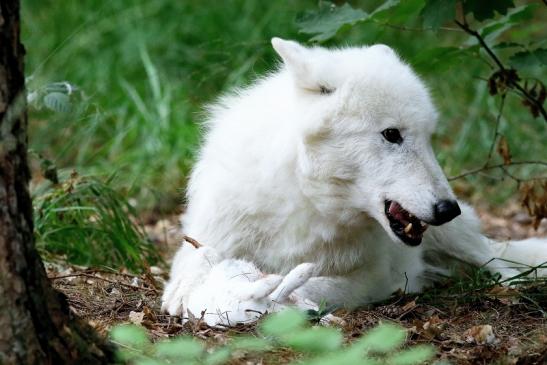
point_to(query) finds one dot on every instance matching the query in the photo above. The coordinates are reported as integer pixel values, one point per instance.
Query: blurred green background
(144, 70)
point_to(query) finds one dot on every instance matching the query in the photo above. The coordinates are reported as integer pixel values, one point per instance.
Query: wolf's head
(367, 121)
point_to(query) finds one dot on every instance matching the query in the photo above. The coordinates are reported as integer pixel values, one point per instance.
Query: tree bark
(36, 326)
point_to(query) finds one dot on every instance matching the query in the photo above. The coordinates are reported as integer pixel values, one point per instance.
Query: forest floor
(469, 322)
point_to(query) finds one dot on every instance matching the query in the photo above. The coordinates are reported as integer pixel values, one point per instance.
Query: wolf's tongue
(394, 208)
(398, 212)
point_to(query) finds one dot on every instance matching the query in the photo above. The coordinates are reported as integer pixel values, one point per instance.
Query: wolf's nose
(444, 211)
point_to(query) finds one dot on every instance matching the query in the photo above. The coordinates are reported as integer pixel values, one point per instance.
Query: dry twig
(103, 279)
(192, 241)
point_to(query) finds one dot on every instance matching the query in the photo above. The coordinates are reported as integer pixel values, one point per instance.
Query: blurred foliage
(144, 69)
(89, 223)
(317, 345)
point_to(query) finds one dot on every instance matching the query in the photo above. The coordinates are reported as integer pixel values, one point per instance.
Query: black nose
(444, 211)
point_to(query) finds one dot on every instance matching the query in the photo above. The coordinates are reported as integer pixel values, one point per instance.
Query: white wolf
(324, 165)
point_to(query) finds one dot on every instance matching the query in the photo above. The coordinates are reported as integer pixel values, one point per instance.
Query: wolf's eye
(392, 135)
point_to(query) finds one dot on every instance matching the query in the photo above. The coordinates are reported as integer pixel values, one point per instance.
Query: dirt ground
(468, 324)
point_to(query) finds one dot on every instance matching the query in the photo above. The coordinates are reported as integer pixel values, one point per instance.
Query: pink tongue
(397, 212)
(395, 208)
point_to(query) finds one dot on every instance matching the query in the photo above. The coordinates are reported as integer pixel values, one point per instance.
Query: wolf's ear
(295, 57)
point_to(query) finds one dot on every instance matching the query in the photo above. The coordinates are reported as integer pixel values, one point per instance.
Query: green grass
(474, 284)
(144, 70)
(89, 223)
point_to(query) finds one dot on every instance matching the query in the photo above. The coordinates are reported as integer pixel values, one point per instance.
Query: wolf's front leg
(462, 239)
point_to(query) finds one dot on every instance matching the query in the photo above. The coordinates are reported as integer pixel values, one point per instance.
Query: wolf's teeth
(408, 228)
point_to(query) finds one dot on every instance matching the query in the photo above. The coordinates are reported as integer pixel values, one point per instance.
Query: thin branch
(496, 130)
(412, 29)
(513, 177)
(502, 166)
(483, 44)
(103, 279)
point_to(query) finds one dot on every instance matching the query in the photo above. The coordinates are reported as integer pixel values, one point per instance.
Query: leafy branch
(508, 76)
(503, 150)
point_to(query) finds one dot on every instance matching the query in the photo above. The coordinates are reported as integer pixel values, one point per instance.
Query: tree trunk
(36, 326)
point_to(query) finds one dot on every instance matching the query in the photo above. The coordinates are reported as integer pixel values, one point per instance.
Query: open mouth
(404, 224)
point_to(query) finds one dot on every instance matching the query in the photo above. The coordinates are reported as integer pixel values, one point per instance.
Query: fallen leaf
(481, 334)
(409, 306)
(430, 329)
(136, 317)
(534, 199)
(148, 313)
(504, 294)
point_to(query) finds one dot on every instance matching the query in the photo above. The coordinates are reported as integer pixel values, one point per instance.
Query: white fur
(289, 175)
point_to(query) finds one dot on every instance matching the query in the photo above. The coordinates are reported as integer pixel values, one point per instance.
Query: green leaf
(438, 58)
(148, 361)
(130, 335)
(317, 339)
(383, 338)
(515, 16)
(341, 357)
(437, 12)
(411, 356)
(180, 348)
(396, 12)
(327, 21)
(249, 343)
(529, 59)
(385, 7)
(58, 102)
(218, 357)
(279, 324)
(484, 9)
